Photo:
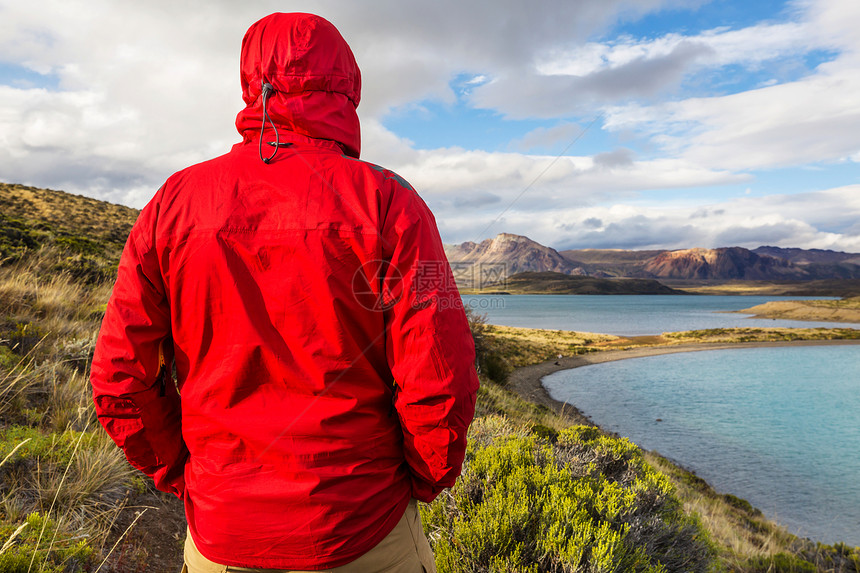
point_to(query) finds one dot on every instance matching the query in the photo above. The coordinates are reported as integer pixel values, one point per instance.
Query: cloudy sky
(580, 123)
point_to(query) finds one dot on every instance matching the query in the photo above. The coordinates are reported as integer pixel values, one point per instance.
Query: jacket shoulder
(386, 174)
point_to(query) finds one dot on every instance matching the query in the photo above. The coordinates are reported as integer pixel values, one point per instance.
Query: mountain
(809, 256)
(724, 263)
(611, 262)
(477, 264)
(491, 260)
(818, 263)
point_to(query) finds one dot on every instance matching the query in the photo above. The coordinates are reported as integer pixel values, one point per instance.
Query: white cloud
(807, 121)
(145, 89)
(528, 94)
(449, 172)
(825, 220)
(721, 46)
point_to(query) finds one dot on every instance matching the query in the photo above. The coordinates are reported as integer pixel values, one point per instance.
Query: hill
(506, 255)
(611, 262)
(724, 264)
(75, 234)
(477, 264)
(559, 283)
(818, 263)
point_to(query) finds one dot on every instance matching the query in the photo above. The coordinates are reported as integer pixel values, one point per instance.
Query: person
(285, 348)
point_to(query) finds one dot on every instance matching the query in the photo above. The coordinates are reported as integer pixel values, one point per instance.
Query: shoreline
(527, 381)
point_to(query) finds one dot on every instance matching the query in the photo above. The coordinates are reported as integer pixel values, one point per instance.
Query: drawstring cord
(267, 89)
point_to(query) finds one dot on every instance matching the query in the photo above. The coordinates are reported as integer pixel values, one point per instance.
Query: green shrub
(587, 502)
(488, 358)
(8, 359)
(741, 504)
(40, 545)
(780, 563)
(25, 337)
(46, 446)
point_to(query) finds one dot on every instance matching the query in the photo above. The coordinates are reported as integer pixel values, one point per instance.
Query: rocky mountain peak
(504, 255)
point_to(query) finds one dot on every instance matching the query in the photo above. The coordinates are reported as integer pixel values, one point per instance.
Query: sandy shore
(526, 381)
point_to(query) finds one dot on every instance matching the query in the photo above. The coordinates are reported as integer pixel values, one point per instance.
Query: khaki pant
(404, 550)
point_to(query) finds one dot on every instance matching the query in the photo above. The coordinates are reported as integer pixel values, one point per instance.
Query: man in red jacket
(324, 365)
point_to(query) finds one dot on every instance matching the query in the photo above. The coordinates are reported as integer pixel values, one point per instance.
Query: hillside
(810, 256)
(558, 283)
(477, 264)
(611, 262)
(725, 263)
(78, 235)
(818, 263)
(506, 255)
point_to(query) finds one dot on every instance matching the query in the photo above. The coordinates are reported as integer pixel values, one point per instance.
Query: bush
(780, 563)
(38, 544)
(489, 360)
(587, 502)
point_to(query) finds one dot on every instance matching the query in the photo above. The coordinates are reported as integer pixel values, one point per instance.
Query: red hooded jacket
(321, 351)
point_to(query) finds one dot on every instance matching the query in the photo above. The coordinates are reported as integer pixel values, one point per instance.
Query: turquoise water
(779, 427)
(628, 315)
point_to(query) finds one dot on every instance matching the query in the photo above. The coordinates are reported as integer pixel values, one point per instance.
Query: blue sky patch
(24, 78)
(734, 14)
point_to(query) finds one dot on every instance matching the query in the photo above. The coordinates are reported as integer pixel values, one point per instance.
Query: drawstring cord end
(267, 89)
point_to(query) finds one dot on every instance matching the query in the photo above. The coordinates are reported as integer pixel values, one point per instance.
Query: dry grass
(733, 335)
(68, 213)
(732, 288)
(523, 346)
(60, 471)
(844, 310)
(736, 527)
(493, 399)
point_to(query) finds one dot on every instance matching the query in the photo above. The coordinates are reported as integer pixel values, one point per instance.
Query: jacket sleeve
(135, 398)
(429, 346)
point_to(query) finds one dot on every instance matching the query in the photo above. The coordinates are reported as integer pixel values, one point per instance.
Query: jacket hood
(317, 83)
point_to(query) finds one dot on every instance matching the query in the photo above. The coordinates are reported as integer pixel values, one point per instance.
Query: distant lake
(779, 427)
(630, 315)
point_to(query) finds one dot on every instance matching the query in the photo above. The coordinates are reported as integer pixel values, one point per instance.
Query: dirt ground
(154, 543)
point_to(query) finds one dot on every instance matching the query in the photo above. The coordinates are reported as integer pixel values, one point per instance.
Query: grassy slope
(76, 235)
(825, 287)
(67, 492)
(559, 283)
(56, 463)
(845, 310)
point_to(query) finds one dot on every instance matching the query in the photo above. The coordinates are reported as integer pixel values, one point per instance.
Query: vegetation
(574, 500)
(72, 235)
(538, 493)
(63, 483)
(761, 334)
(736, 536)
(824, 287)
(559, 283)
(844, 310)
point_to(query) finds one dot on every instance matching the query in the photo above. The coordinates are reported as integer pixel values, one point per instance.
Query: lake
(779, 427)
(629, 315)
